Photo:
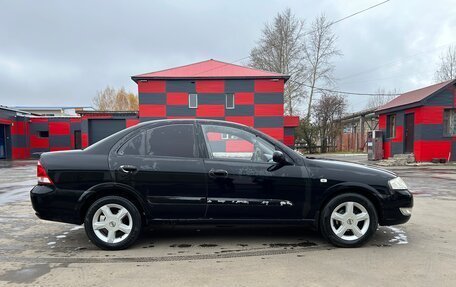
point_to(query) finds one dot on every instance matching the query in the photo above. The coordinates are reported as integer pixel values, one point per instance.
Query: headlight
(397, 184)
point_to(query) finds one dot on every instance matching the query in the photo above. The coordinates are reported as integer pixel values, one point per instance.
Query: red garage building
(209, 89)
(422, 122)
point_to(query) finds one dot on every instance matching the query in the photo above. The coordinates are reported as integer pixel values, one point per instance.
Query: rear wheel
(113, 223)
(348, 220)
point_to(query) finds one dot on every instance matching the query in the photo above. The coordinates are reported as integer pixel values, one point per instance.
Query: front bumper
(391, 211)
(52, 204)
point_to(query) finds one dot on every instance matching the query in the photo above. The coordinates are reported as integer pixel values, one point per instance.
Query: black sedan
(208, 171)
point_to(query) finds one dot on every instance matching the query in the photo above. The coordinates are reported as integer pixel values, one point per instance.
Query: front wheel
(113, 223)
(348, 220)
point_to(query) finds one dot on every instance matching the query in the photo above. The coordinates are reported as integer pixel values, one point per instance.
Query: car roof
(191, 120)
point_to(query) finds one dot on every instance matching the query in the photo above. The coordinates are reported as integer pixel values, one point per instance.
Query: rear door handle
(218, 173)
(128, 168)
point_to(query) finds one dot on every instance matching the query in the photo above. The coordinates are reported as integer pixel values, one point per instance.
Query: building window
(229, 137)
(43, 134)
(192, 101)
(449, 122)
(229, 101)
(391, 126)
(77, 139)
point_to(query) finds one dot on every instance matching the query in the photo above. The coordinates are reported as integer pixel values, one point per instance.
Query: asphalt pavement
(420, 253)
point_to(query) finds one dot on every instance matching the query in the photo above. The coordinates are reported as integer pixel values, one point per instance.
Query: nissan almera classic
(209, 171)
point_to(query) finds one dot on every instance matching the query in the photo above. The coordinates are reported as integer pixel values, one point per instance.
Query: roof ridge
(164, 70)
(251, 68)
(430, 86)
(216, 64)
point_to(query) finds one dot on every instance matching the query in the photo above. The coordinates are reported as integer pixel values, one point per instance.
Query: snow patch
(77, 228)
(399, 235)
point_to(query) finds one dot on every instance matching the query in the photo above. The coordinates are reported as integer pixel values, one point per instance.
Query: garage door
(99, 129)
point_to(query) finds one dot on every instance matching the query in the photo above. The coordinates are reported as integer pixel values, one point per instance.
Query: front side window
(449, 122)
(172, 140)
(391, 126)
(192, 101)
(231, 143)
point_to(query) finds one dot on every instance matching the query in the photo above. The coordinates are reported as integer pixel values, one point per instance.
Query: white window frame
(225, 136)
(226, 101)
(449, 123)
(189, 101)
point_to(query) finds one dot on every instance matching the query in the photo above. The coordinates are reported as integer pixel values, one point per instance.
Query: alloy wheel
(112, 223)
(350, 221)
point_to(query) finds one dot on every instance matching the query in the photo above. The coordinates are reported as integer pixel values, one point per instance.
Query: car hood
(348, 167)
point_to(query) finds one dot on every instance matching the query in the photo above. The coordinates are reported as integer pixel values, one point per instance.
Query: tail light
(41, 173)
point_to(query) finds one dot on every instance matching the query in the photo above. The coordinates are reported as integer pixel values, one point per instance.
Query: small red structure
(422, 122)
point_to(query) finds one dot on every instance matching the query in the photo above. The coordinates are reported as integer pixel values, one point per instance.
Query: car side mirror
(279, 157)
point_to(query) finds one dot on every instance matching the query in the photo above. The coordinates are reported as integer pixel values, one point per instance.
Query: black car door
(164, 165)
(244, 182)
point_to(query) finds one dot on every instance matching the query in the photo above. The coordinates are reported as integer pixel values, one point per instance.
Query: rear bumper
(391, 213)
(52, 204)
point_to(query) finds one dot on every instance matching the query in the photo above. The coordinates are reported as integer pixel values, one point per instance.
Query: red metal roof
(209, 69)
(414, 96)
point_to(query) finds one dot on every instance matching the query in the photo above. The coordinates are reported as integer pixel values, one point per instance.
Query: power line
(397, 60)
(330, 24)
(303, 84)
(349, 16)
(342, 92)
(359, 12)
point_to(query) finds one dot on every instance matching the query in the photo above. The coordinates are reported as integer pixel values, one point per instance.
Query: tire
(351, 229)
(113, 223)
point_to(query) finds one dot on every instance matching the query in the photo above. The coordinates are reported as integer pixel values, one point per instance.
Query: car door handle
(218, 173)
(128, 168)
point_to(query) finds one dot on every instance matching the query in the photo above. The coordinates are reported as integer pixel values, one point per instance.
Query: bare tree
(447, 67)
(111, 99)
(381, 98)
(326, 110)
(319, 51)
(280, 50)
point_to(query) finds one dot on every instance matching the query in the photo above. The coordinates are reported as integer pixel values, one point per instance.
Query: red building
(24, 134)
(422, 122)
(217, 90)
(209, 89)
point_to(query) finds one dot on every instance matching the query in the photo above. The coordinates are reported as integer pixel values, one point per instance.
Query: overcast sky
(61, 53)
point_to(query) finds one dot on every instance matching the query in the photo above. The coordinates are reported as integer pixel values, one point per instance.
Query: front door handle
(128, 168)
(218, 173)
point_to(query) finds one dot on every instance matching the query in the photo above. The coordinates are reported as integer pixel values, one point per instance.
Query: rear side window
(135, 146)
(172, 140)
